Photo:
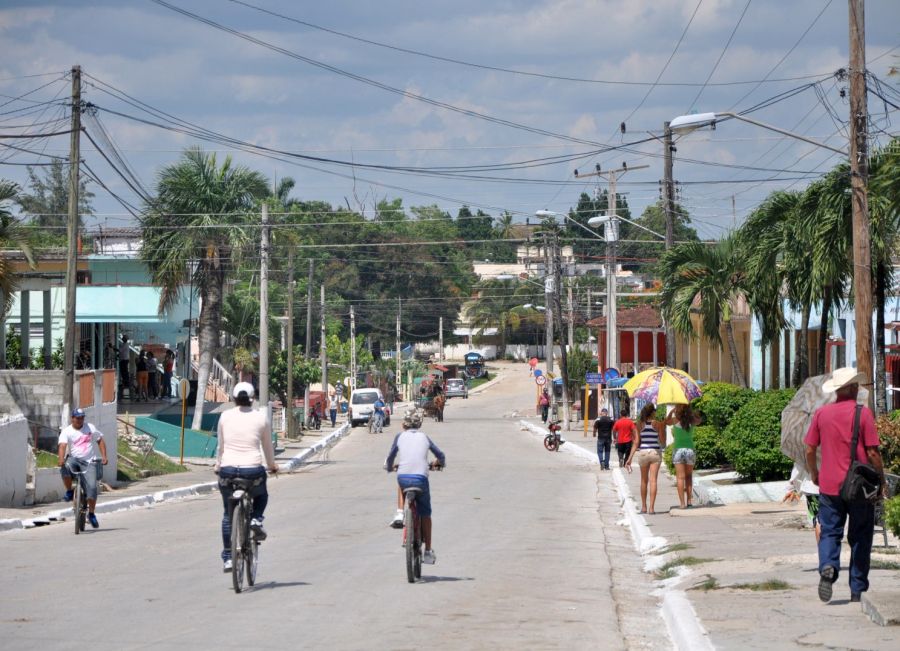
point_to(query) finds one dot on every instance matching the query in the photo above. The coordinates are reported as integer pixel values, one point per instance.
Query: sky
(456, 85)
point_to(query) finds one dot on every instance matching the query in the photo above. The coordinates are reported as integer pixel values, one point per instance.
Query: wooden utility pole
(289, 344)
(70, 346)
(399, 317)
(669, 206)
(557, 305)
(571, 317)
(307, 352)
(264, 311)
(441, 338)
(323, 352)
(549, 288)
(859, 181)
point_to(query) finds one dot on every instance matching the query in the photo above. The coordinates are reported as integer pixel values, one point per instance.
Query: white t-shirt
(81, 443)
(244, 439)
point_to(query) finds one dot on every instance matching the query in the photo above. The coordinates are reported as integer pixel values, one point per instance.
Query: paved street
(529, 556)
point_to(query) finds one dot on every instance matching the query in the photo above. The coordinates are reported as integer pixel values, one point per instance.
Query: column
(655, 348)
(2, 332)
(25, 321)
(636, 335)
(48, 330)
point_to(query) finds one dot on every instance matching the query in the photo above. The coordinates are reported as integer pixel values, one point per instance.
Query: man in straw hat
(832, 430)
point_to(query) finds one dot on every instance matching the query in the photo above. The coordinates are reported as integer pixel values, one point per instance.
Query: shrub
(720, 402)
(892, 515)
(668, 453)
(889, 434)
(752, 440)
(708, 447)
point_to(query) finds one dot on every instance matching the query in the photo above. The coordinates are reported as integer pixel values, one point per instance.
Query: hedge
(752, 440)
(707, 447)
(889, 433)
(892, 515)
(720, 401)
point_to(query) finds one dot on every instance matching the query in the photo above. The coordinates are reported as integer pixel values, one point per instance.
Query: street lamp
(862, 292)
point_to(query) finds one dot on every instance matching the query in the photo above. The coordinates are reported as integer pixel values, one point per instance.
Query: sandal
(643, 510)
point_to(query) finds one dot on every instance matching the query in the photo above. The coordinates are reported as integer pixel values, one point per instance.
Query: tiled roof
(642, 317)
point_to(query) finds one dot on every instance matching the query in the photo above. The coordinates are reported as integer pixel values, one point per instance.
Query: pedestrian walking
(834, 429)
(544, 404)
(651, 443)
(153, 375)
(800, 484)
(683, 421)
(624, 430)
(142, 375)
(332, 409)
(603, 427)
(124, 354)
(168, 368)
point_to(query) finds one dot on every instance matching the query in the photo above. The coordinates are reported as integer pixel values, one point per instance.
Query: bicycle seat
(241, 483)
(412, 490)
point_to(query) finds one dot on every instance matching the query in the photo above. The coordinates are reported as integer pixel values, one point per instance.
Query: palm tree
(714, 277)
(504, 227)
(199, 216)
(12, 236)
(496, 306)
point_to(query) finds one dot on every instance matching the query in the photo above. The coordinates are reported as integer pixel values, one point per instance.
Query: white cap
(243, 387)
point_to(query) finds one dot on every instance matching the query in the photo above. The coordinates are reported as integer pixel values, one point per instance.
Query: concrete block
(882, 606)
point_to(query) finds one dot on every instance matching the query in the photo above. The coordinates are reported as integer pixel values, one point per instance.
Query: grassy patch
(878, 564)
(133, 465)
(46, 459)
(764, 586)
(710, 583)
(668, 570)
(478, 381)
(677, 547)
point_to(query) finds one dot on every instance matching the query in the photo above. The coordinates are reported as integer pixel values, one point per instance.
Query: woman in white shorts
(683, 421)
(648, 451)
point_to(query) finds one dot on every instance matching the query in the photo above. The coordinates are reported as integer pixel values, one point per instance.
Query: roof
(643, 317)
(117, 304)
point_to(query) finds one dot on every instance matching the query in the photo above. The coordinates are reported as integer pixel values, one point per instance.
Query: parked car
(361, 408)
(456, 388)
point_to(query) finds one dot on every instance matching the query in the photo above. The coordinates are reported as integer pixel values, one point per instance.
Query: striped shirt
(649, 438)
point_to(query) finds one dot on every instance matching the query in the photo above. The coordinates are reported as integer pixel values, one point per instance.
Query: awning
(118, 304)
(467, 332)
(440, 368)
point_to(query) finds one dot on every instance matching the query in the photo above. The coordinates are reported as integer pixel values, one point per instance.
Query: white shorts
(686, 456)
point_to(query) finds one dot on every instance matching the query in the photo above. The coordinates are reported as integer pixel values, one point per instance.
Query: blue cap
(78, 413)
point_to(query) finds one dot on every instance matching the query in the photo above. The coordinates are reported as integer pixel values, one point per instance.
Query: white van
(361, 408)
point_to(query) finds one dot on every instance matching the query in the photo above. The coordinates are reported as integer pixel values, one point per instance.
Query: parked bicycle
(412, 530)
(244, 544)
(553, 440)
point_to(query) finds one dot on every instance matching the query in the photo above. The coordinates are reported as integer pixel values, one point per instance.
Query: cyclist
(410, 452)
(245, 443)
(378, 414)
(78, 446)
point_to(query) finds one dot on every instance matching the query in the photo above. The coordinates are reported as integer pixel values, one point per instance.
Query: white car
(361, 408)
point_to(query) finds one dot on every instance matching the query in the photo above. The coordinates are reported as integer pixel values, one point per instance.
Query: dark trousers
(260, 499)
(603, 447)
(332, 413)
(124, 377)
(624, 449)
(544, 409)
(833, 514)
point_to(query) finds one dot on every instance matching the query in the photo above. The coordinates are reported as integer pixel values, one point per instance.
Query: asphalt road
(529, 555)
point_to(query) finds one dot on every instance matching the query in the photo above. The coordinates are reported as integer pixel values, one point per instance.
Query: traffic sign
(611, 374)
(538, 372)
(593, 378)
(540, 380)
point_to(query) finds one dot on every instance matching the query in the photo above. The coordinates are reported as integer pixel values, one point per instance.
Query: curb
(489, 383)
(682, 623)
(149, 500)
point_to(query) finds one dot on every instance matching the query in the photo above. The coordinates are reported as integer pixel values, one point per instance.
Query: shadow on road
(271, 585)
(436, 579)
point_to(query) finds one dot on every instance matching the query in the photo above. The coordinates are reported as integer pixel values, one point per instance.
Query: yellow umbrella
(663, 385)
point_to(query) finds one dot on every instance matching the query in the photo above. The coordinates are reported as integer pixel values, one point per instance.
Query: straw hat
(843, 377)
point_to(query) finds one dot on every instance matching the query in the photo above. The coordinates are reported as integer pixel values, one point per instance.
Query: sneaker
(93, 520)
(825, 583)
(257, 527)
(855, 597)
(69, 495)
(226, 566)
(397, 522)
(428, 557)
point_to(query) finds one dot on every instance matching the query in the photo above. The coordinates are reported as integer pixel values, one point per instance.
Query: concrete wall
(14, 453)
(37, 395)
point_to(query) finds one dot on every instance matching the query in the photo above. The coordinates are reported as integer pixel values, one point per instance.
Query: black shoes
(855, 597)
(825, 583)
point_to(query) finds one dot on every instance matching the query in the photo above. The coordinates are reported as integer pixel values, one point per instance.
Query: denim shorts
(93, 473)
(423, 501)
(684, 455)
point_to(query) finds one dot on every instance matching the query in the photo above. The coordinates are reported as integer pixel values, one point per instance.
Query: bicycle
(412, 531)
(79, 501)
(553, 440)
(244, 545)
(376, 423)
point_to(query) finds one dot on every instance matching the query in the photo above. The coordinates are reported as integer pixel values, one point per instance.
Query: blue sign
(538, 372)
(611, 374)
(593, 378)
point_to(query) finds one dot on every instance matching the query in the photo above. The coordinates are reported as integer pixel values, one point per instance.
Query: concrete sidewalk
(723, 556)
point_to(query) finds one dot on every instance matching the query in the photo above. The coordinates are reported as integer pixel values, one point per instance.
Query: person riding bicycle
(245, 443)
(77, 451)
(378, 414)
(410, 453)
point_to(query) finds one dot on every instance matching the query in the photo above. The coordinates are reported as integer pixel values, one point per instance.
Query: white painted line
(682, 622)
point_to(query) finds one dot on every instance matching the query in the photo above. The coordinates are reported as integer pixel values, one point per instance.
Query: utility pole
(669, 206)
(571, 317)
(290, 346)
(399, 316)
(307, 352)
(323, 353)
(72, 250)
(563, 355)
(549, 288)
(352, 351)
(441, 337)
(264, 311)
(859, 181)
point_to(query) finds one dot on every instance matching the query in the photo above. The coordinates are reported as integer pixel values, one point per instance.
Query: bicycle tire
(550, 443)
(371, 425)
(252, 557)
(237, 550)
(411, 542)
(77, 496)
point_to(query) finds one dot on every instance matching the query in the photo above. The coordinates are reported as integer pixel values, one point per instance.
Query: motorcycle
(553, 440)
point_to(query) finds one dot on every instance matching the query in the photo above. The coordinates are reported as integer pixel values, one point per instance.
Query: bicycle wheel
(371, 425)
(417, 565)
(237, 547)
(409, 522)
(77, 509)
(252, 561)
(550, 443)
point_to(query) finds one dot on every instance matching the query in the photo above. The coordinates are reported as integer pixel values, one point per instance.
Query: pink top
(832, 428)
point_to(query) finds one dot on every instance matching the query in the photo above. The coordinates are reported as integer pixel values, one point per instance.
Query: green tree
(499, 305)
(12, 236)
(194, 231)
(306, 372)
(637, 256)
(48, 202)
(340, 352)
(714, 277)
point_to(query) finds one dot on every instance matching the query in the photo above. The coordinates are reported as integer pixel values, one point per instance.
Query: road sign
(593, 378)
(538, 372)
(533, 362)
(184, 388)
(540, 380)
(611, 374)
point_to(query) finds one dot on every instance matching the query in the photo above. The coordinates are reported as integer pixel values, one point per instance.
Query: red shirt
(832, 428)
(623, 429)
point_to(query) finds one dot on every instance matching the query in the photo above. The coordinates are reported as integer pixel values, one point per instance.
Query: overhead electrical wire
(721, 56)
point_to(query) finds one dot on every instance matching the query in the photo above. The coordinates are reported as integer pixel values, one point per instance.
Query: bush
(720, 402)
(752, 440)
(668, 453)
(892, 515)
(889, 434)
(708, 446)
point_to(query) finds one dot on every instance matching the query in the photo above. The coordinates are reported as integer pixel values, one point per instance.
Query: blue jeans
(332, 413)
(603, 447)
(259, 493)
(833, 513)
(423, 501)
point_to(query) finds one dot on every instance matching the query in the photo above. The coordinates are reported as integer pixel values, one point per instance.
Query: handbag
(863, 481)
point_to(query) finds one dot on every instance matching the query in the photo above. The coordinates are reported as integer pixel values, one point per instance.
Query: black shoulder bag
(862, 482)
